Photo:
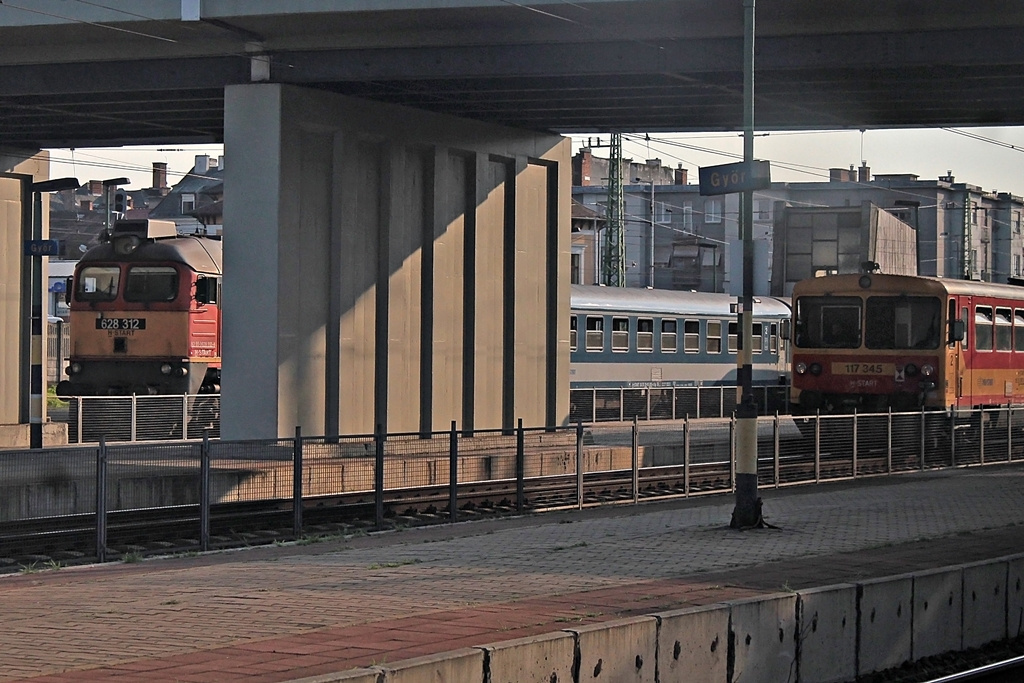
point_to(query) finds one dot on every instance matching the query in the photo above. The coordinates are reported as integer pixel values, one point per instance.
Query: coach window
(756, 338)
(151, 283)
(620, 334)
(733, 344)
(573, 324)
(691, 336)
(668, 335)
(714, 340)
(983, 328)
(98, 283)
(595, 333)
(1018, 329)
(645, 334)
(1004, 329)
(773, 338)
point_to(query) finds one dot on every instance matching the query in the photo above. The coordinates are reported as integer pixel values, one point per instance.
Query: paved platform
(284, 612)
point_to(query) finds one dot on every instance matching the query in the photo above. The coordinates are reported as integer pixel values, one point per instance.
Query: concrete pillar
(386, 266)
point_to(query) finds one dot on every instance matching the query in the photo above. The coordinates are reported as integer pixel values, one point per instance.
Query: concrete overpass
(119, 72)
(395, 168)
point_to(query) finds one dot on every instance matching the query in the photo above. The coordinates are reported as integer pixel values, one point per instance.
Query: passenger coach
(873, 342)
(628, 337)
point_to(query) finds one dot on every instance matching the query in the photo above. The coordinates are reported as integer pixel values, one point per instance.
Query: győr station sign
(738, 177)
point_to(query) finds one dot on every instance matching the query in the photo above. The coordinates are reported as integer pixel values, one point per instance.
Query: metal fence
(668, 403)
(58, 348)
(379, 476)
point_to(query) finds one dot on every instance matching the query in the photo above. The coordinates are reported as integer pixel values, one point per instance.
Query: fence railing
(668, 403)
(529, 468)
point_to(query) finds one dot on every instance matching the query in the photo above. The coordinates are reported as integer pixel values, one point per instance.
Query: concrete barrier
(693, 645)
(621, 651)
(827, 634)
(884, 623)
(763, 630)
(353, 676)
(545, 658)
(984, 603)
(465, 666)
(938, 606)
(1015, 597)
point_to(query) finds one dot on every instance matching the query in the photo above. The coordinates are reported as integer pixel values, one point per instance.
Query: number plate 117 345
(120, 323)
(863, 369)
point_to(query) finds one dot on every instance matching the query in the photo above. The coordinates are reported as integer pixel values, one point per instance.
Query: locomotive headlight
(165, 369)
(801, 368)
(927, 370)
(815, 368)
(74, 368)
(910, 370)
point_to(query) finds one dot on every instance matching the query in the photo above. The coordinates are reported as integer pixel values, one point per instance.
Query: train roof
(201, 254)
(909, 284)
(668, 302)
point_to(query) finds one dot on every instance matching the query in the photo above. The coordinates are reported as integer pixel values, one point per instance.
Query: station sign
(42, 248)
(738, 177)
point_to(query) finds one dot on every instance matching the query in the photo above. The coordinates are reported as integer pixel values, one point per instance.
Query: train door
(958, 368)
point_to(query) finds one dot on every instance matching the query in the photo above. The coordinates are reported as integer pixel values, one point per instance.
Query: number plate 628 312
(120, 323)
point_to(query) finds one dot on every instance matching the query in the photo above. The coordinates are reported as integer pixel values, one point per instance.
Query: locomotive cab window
(645, 334)
(903, 322)
(828, 321)
(573, 322)
(691, 336)
(98, 283)
(595, 333)
(151, 283)
(620, 334)
(983, 328)
(668, 336)
(1004, 329)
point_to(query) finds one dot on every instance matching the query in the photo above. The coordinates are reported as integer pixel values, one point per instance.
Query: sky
(991, 158)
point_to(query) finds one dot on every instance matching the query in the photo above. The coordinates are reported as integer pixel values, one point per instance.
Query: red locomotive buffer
(145, 314)
(873, 342)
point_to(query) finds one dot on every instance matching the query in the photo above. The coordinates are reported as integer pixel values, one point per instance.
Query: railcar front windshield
(151, 283)
(904, 322)
(98, 283)
(831, 322)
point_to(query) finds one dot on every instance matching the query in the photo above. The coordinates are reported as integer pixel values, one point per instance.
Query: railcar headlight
(927, 370)
(165, 369)
(815, 368)
(801, 368)
(181, 372)
(910, 370)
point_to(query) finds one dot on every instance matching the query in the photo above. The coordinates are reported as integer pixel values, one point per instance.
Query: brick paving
(278, 613)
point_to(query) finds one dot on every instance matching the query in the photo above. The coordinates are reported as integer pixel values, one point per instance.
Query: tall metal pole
(650, 279)
(747, 512)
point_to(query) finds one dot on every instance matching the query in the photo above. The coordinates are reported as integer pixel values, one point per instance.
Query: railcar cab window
(1004, 329)
(151, 283)
(1018, 329)
(828, 322)
(98, 283)
(620, 334)
(904, 322)
(595, 333)
(983, 328)
(668, 336)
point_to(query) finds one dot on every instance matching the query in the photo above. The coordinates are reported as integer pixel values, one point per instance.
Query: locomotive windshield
(906, 322)
(828, 322)
(98, 283)
(151, 283)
